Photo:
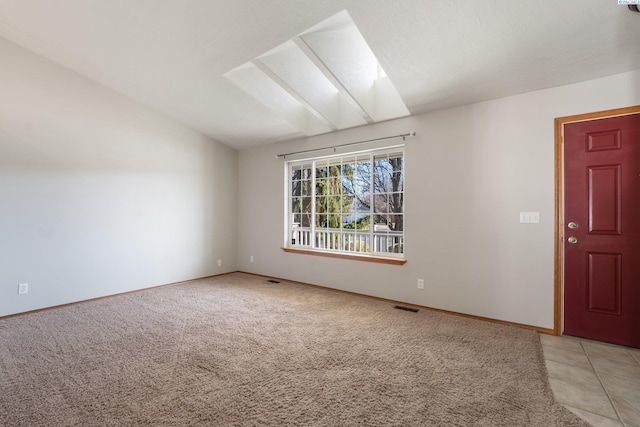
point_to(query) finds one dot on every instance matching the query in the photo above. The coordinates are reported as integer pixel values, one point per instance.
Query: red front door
(602, 229)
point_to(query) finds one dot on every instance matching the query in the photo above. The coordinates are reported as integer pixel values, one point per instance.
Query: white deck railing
(387, 242)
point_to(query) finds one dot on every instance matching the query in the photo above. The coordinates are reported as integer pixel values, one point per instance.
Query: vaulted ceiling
(173, 55)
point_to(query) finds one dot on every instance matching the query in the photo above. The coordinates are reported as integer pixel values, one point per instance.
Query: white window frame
(375, 242)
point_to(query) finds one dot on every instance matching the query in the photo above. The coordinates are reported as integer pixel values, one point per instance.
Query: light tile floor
(599, 382)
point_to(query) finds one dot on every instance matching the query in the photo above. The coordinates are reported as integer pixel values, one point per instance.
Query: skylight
(325, 79)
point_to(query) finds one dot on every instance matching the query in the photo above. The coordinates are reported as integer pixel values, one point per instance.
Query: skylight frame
(332, 57)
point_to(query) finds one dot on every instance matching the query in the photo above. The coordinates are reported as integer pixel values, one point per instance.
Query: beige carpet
(238, 351)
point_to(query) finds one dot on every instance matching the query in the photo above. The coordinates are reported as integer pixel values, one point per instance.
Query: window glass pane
(322, 168)
(334, 185)
(396, 222)
(363, 222)
(396, 202)
(351, 220)
(359, 243)
(306, 172)
(333, 204)
(296, 172)
(381, 223)
(396, 163)
(306, 219)
(382, 176)
(333, 221)
(394, 245)
(336, 240)
(363, 173)
(296, 204)
(321, 187)
(397, 176)
(306, 205)
(380, 203)
(296, 188)
(381, 165)
(362, 186)
(347, 170)
(397, 181)
(348, 178)
(305, 188)
(346, 205)
(321, 220)
(321, 204)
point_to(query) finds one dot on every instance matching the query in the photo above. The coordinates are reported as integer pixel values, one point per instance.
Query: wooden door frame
(559, 122)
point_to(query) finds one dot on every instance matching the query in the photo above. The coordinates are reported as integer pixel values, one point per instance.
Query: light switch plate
(529, 217)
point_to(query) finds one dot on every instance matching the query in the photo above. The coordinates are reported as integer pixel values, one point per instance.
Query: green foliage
(357, 246)
(398, 248)
(332, 202)
(362, 224)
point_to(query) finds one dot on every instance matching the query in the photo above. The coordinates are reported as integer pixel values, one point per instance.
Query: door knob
(573, 240)
(572, 225)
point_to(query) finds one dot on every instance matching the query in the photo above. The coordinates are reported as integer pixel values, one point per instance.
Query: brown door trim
(559, 219)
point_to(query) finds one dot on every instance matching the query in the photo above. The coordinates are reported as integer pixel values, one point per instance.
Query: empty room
(320, 213)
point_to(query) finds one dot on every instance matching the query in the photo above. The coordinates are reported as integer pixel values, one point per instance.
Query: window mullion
(289, 206)
(313, 205)
(372, 226)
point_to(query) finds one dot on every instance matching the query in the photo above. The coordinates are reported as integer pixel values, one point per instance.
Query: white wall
(100, 195)
(469, 172)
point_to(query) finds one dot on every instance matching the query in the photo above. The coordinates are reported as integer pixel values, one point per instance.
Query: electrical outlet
(23, 288)
(251, 258)
(420, 284)
(219, 263)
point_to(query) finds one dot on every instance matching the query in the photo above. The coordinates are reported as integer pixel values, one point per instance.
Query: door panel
(602, 252)
(603, 284)
(604, 196)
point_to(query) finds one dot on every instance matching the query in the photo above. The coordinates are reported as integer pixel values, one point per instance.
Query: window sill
(354, 257)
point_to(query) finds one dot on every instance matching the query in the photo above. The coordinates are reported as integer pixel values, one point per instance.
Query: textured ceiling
(172, 54)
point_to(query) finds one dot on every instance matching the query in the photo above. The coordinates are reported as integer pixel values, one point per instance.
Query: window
(351, 203)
